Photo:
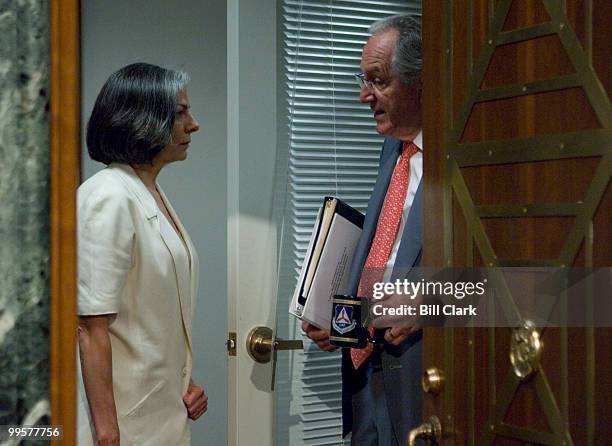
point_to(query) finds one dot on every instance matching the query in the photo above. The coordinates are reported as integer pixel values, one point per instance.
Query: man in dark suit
(381, 384)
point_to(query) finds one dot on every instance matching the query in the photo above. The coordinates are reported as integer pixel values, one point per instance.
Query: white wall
(191, 36)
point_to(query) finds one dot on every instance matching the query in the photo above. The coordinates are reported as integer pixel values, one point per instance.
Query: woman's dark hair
(132, 118)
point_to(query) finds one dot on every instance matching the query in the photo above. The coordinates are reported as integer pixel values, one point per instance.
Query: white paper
(332, 273)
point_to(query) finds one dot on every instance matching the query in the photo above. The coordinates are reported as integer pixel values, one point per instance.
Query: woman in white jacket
(137, 268)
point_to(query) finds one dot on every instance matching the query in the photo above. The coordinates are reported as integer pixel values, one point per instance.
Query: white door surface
(251, 60)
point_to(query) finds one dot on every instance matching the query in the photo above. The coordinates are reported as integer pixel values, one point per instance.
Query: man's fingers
(315, 333)
(325, 345)
(323, 342)
(388, 336)
(319, 335)
(309, 328)
(397, 335)
(398, 340)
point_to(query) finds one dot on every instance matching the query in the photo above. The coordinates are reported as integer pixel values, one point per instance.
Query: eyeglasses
(375, 85)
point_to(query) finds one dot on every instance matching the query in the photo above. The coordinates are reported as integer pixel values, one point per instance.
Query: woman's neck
(147, 174)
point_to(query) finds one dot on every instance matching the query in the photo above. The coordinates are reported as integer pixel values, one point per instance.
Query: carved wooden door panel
(518, 162)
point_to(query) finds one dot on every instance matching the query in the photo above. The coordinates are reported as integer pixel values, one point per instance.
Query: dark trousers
(371, 420)
(388, 403)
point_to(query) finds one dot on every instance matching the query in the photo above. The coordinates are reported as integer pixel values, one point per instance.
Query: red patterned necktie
(382, 244)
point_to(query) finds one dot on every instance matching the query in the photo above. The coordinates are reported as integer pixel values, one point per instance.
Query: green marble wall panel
(24, 212)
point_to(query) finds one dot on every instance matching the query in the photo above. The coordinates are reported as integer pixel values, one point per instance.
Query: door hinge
(231, 343)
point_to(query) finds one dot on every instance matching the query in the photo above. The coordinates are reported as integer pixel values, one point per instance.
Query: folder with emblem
(327, 262)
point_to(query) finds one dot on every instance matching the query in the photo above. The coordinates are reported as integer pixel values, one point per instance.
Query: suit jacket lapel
(371, 219)
(194, 263)
(183, 276)
(380, 191)
(411, 245)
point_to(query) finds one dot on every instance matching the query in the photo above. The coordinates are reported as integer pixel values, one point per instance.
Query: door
(518, 119)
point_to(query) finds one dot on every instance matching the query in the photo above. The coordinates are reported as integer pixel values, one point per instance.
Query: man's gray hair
(407, 61)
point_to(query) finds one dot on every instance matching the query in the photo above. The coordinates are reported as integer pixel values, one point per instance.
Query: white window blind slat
(326, 74)
(338, 99)
(321, 46)
(340, 159)
(320, 31)
(353, 151)
(357, 117)
(311, 163)
(339, 93)
(363, 5)
(306, 37)
(325, 188)
(313, 129)
(339, 84)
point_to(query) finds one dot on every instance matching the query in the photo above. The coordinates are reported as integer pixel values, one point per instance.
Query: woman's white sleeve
(105, 242)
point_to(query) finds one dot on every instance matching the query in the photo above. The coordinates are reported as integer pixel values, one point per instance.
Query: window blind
(331, 148)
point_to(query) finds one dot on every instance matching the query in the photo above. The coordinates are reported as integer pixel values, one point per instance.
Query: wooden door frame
(65, 124)
(435, 191)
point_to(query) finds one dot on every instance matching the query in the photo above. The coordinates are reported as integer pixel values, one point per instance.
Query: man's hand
(195, 401)
(397, 335)
(390, 318)
(319, 336)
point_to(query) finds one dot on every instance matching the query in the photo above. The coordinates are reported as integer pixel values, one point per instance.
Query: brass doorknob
(433, 380)
(259, 344)
(430, 430)
(525, 350)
